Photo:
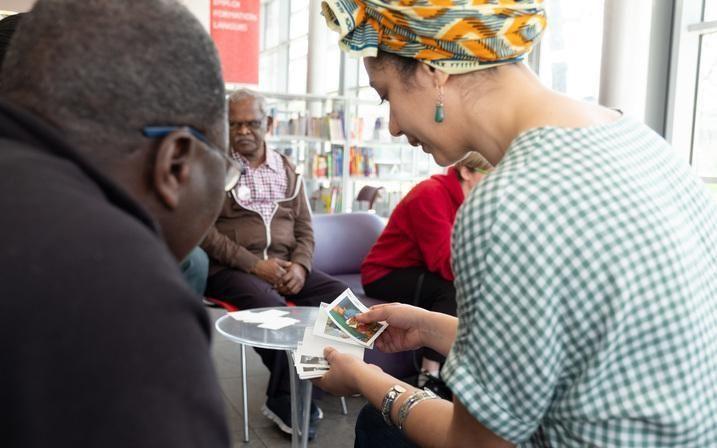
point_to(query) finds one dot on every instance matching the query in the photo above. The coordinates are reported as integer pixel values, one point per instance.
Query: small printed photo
(331, 329)
(314, 369)
(326, 328)
(313, 360)
(343, 312)
(312, 375)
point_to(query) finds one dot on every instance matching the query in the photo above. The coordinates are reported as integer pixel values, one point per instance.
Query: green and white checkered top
(586, 276)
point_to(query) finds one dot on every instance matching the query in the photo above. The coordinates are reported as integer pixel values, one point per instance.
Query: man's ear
(269, 124)
(171, 167)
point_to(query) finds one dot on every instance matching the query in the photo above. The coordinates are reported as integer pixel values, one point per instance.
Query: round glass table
(287, 339)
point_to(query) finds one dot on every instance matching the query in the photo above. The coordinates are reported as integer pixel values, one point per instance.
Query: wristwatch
(388, 400)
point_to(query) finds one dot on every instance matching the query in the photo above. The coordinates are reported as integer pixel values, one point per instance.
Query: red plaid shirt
(266, 183)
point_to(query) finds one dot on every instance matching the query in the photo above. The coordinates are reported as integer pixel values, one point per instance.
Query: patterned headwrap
(455, 36)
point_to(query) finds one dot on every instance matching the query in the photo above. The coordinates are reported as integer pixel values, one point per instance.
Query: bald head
(102, 70)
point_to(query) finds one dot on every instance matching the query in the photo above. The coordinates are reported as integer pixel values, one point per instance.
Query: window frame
(683, 90)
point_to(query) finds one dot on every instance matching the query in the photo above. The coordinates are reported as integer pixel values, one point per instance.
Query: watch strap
(387, 403)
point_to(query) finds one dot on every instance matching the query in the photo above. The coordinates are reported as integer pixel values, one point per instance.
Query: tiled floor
(335, 430)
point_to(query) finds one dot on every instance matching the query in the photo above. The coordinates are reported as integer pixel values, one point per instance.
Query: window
(710, 11)
(274, 49)
(271, 20)
(704, 139)
(569, 53)
(692, 104)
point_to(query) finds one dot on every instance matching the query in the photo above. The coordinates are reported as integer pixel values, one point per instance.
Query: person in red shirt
(411, 261)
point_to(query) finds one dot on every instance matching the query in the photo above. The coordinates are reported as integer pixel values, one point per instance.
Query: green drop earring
(440, 114)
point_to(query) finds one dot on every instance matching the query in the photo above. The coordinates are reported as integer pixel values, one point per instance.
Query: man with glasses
(261, 247)
(110, 173)
(195, 266)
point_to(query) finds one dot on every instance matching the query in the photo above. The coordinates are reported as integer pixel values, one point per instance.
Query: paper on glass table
(277, 323)
(251, 317)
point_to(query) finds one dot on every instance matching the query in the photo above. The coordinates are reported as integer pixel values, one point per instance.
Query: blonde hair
(474, 162)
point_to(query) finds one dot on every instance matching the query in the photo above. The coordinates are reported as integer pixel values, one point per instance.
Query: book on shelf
(341, 150)
(362, 162)
(329, 164)
(357, 130)
(336, 126)
(320, 166)
(338, 160)
(326, 199)
(329, 127)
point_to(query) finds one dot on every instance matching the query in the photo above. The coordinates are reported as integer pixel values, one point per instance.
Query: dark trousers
(416, 286)
(247, 291)
(373, 432)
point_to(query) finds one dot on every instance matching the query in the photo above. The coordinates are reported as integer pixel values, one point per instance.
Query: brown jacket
(240, 237)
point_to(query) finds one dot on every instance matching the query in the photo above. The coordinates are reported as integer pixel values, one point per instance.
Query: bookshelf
(341, 144)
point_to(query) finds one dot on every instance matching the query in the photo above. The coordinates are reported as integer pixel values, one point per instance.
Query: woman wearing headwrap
(585, 264)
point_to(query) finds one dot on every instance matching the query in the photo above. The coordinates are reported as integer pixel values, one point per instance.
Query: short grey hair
(102, 70)
(245, 94)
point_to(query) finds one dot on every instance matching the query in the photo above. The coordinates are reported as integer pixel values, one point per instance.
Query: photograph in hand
(343, 312)
(312, 360)
(326, 328)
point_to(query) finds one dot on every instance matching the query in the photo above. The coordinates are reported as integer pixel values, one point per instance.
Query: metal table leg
(295, 383)
(306, 411)
(245, 407)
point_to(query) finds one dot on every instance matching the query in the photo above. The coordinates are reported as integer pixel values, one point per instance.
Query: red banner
(234, 26)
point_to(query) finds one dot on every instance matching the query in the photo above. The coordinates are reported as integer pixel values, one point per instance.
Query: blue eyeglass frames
(234, 169)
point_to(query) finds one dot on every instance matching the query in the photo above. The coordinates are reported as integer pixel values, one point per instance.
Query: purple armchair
(342, 242)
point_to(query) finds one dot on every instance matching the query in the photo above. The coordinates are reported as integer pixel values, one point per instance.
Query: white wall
(636, 58)
(200, 8)
(17, 5)
(626, 49)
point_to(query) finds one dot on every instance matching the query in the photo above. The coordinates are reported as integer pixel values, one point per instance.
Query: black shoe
(278, 410)
(316, 413)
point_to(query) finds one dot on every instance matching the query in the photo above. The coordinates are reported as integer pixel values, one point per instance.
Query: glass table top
(285, 338)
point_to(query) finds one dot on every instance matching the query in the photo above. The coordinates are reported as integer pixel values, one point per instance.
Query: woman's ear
(437, 78)
(464, 174)
(172, 165)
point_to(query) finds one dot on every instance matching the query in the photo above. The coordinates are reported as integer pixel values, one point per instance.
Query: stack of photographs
(336, 326)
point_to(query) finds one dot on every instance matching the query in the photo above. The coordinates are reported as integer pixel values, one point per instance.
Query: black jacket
(101, 341)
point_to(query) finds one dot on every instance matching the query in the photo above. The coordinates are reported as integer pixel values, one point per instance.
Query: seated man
(261, 246)
(102, 343)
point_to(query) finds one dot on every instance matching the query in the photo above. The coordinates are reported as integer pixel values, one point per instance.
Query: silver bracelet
(388, 400)
(414, 399)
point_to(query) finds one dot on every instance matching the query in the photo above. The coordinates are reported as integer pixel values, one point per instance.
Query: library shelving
(341, 144)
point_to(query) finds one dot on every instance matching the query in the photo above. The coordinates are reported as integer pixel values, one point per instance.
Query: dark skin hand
(293, 281)
(288, 278)
(271, 270)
